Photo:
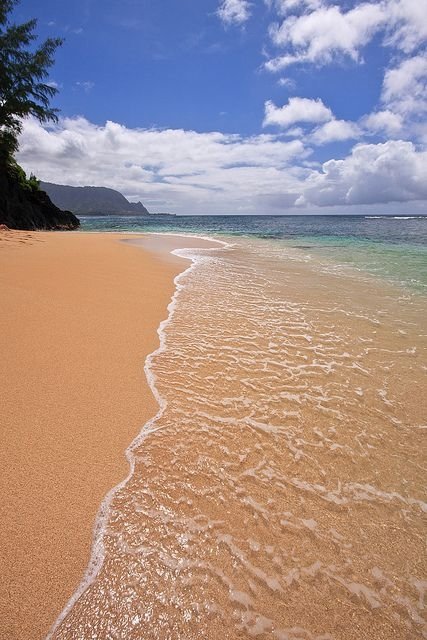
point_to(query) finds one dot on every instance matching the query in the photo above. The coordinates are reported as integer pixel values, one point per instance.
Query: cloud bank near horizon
(189, 172)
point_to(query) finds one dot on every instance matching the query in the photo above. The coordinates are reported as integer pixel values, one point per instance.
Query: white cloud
(286, 82)
(405, 87)
(321, 32)
(286, 6)
(391, 172)
(385, 122)
(407, 24)
(193, 171)
(234, 11)
(296, 110)
(281, 62)
(324, 32)
(294, 132)
(189, 172)
(86, 85)
(335, 131)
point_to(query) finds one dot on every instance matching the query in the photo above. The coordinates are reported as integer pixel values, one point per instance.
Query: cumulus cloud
(321, 126)
(173, 165)
(335, 131)
(319, 32)
(403, 98)
(234, 11)
(407, 24)
(296, 110)
(385, 122)
(405, 87)
(190, 172)
(324, 33)
(391, 172)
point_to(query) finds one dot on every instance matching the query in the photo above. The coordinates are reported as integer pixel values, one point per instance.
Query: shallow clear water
(280, 491)
(394, 248)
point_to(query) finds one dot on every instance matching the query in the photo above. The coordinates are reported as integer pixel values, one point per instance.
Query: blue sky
(231, 106)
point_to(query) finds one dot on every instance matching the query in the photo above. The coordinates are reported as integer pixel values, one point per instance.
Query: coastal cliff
(24, 206)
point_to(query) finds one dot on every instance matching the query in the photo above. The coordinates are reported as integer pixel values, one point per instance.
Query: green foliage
(18, 173)
(33, 182)
(23, 69)
(8, 145)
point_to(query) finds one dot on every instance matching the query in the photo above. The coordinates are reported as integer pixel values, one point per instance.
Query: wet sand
(280, 494)
(79, 314)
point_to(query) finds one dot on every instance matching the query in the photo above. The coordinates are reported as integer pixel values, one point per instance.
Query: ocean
(393, 247)
(279, 493)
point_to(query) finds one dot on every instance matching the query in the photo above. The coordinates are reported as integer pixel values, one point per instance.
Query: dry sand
(79, 314)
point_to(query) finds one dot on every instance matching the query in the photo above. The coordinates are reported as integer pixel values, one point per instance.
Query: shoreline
(75, 397)
(284, 438)
(97, 550)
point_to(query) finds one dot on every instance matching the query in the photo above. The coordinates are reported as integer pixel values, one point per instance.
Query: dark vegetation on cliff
(24, 206)
(92, 200)
(23, 92)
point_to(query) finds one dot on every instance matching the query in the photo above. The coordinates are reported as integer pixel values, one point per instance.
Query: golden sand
(79, 314)
(279, 493)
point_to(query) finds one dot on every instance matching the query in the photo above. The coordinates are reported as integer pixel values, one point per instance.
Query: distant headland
(94, 201)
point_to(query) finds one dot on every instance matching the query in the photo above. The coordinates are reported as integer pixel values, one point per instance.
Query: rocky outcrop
(23, 206)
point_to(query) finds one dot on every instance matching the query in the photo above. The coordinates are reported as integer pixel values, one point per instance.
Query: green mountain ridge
(92, 200)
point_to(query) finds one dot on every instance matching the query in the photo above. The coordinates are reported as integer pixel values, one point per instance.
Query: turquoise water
(393, 248)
